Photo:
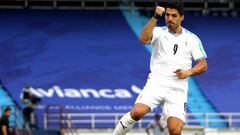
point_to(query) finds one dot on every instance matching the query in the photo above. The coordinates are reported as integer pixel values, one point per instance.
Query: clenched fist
(160, 10)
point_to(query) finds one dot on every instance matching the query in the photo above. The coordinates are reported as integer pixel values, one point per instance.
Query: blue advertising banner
(88, 61)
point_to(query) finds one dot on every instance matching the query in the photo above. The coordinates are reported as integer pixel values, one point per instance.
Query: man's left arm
(200, 67)
(160, 126)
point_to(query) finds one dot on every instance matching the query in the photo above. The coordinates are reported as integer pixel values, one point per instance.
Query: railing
(230, 119)
(109, 120)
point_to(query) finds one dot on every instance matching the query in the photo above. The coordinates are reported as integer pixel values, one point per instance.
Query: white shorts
(173, 100)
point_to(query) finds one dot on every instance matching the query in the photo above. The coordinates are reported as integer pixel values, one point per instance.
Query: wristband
(156, 16)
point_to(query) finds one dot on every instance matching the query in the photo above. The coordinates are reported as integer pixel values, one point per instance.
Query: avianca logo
(84, 93)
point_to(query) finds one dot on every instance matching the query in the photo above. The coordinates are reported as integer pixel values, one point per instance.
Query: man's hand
(160, 126)
(182, 74)
(160, 10)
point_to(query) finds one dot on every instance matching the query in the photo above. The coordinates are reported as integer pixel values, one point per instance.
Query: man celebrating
(173, 49)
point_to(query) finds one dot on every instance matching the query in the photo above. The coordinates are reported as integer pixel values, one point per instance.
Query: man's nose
(170, 18)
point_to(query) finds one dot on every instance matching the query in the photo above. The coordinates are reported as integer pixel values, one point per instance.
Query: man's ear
(182, 17)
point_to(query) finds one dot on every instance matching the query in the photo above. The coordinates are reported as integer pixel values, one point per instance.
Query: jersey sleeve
(4, 121)
(197, 51)
(155, 35)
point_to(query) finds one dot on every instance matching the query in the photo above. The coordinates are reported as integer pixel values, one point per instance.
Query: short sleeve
(198, 51)
(155, 35)
(4, 121)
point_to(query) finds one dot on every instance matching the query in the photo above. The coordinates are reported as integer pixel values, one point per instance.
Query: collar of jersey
(178, 34)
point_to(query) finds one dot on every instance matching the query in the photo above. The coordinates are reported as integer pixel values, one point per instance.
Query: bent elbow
(204, 65)
(143, 41)
(205, 68)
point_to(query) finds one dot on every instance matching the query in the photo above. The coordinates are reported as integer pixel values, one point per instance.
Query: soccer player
(173, 49)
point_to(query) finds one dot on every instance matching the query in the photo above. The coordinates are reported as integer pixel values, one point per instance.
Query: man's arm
(160, 126)
(148, 128)
(146, 34)
(200, 67)
(4, 130)
(147, 131)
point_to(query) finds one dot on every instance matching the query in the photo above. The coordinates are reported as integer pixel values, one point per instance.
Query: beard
(171, 26)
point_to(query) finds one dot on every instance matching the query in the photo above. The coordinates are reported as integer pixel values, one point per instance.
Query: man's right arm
(148, 129)
(146, 35)
(4, 130)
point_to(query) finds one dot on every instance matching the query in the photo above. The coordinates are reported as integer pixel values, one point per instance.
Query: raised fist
(160, 10)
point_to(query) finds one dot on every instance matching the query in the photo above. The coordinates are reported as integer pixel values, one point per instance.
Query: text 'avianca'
(85, 93)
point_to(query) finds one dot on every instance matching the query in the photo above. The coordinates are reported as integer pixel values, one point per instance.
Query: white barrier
(77, 120)
(186, 131)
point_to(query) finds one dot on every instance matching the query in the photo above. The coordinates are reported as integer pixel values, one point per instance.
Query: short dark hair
(27, 86)
(7, 109)
(176, 4)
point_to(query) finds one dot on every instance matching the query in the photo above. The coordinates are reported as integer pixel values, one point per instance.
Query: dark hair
(157, 116)
(7, 109)
(27, 86)
(176, 4)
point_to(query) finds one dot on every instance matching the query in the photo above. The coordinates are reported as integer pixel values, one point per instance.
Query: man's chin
(171, 27)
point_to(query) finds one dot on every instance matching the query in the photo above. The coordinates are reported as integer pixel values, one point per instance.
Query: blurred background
(80, 65)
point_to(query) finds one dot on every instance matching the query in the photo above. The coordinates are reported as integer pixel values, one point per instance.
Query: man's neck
(178, 30)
